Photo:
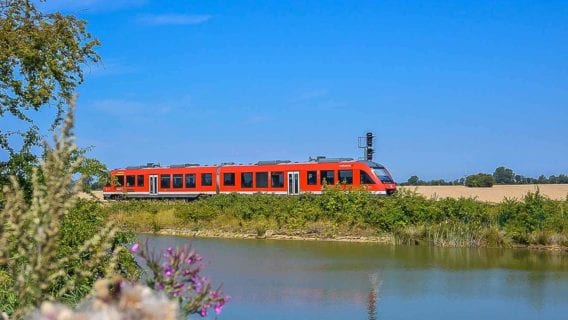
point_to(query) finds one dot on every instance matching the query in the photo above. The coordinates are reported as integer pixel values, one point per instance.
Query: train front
(385, 177)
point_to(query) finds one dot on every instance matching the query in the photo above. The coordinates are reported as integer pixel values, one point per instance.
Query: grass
(407, 217)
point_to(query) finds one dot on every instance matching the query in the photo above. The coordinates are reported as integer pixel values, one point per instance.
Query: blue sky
(449, 88)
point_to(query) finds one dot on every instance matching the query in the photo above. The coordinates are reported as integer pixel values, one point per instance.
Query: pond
(277, 279)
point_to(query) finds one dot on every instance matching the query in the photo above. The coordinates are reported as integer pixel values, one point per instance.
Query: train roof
(319, 159)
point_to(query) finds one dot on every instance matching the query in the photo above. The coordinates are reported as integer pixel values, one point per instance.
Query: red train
(189, 181)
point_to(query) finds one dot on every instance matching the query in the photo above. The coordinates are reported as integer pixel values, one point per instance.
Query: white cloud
(174, 19)
(310, 95)
(142, 109)
(119, 107)
(88, 5)
(256, 119)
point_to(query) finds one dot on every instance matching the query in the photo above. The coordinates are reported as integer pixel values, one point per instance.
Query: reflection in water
(373, 298)
(327, 280)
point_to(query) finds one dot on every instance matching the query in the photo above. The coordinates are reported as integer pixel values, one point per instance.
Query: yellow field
(493, 194)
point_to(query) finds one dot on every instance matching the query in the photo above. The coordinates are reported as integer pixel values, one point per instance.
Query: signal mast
(366, 144)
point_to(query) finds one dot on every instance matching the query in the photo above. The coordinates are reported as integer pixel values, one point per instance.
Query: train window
(365, 178)
(346, 176)
(206, 179)
(246, 180)
(229, 179)
(119, 181)
(277, 179)
(140, 181)
(312, 178)
(327, 176)
(190, 180)
(165, 181)
(130, 181)
(262, 179)
(178, 181)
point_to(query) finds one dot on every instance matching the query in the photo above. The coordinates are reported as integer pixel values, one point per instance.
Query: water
(270, 279)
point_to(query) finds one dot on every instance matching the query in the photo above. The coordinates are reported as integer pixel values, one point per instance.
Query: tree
(504, 175)
(95, 174)
(41, 59)
(413, 180)
(480, 180)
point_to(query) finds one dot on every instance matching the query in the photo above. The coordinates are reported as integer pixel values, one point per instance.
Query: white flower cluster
(114, 300)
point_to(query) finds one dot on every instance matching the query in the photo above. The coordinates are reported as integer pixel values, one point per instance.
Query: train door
(153, 184)
(294, 182)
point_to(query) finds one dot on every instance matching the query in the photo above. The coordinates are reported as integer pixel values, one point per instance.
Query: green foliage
(409, 217)
(41, 59)
(535, 214)
(504, 175)
(480, 180)
(501, 175)
(52, 247)
(94, 173)
(413, 181)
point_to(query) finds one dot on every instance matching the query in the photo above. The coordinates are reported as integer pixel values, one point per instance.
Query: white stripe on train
(194, 194)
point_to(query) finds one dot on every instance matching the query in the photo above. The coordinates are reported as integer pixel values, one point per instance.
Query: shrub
(49, 248)
(480, 180)
(441, 221)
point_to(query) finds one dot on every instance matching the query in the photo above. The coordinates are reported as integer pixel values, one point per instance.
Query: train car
(189, 181)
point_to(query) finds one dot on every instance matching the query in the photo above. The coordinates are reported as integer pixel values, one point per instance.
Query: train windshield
(383, 175)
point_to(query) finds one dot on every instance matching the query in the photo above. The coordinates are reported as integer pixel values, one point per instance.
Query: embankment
(408, 217)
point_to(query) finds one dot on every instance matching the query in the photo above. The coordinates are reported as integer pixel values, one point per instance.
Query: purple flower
(218, 308)
(177, 271)
(168, 271)
(135, 248)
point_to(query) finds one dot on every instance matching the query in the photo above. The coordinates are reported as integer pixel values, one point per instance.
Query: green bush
(54, 246)
(480, 180)
(410, 217)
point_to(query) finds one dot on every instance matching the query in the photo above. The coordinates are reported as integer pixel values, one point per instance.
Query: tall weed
(51, 247)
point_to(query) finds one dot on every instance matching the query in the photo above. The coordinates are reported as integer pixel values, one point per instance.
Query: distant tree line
(501, 175)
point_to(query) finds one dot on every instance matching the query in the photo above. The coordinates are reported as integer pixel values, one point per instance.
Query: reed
(408, 217)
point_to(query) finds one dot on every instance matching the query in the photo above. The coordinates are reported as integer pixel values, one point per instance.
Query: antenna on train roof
(317, 158)
(152, 164)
